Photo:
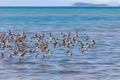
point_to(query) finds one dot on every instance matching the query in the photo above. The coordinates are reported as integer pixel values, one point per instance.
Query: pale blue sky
(54, 2)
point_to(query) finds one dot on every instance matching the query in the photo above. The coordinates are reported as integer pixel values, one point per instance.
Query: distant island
(81, 4)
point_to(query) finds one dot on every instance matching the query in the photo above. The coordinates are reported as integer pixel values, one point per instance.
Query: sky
(55, 2)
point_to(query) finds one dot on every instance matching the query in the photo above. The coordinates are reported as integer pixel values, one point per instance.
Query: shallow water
(101, 62)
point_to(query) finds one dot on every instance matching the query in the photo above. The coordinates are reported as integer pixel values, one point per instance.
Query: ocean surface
(101, 62)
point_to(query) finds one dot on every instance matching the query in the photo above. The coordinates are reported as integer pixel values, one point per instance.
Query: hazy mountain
(89, 4)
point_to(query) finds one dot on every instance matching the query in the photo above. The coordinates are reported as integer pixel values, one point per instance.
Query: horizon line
(59, 6)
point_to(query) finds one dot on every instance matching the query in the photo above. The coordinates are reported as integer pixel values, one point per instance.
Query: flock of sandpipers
(21, 44)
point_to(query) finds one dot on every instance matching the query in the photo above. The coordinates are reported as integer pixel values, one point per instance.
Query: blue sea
(101, 62)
